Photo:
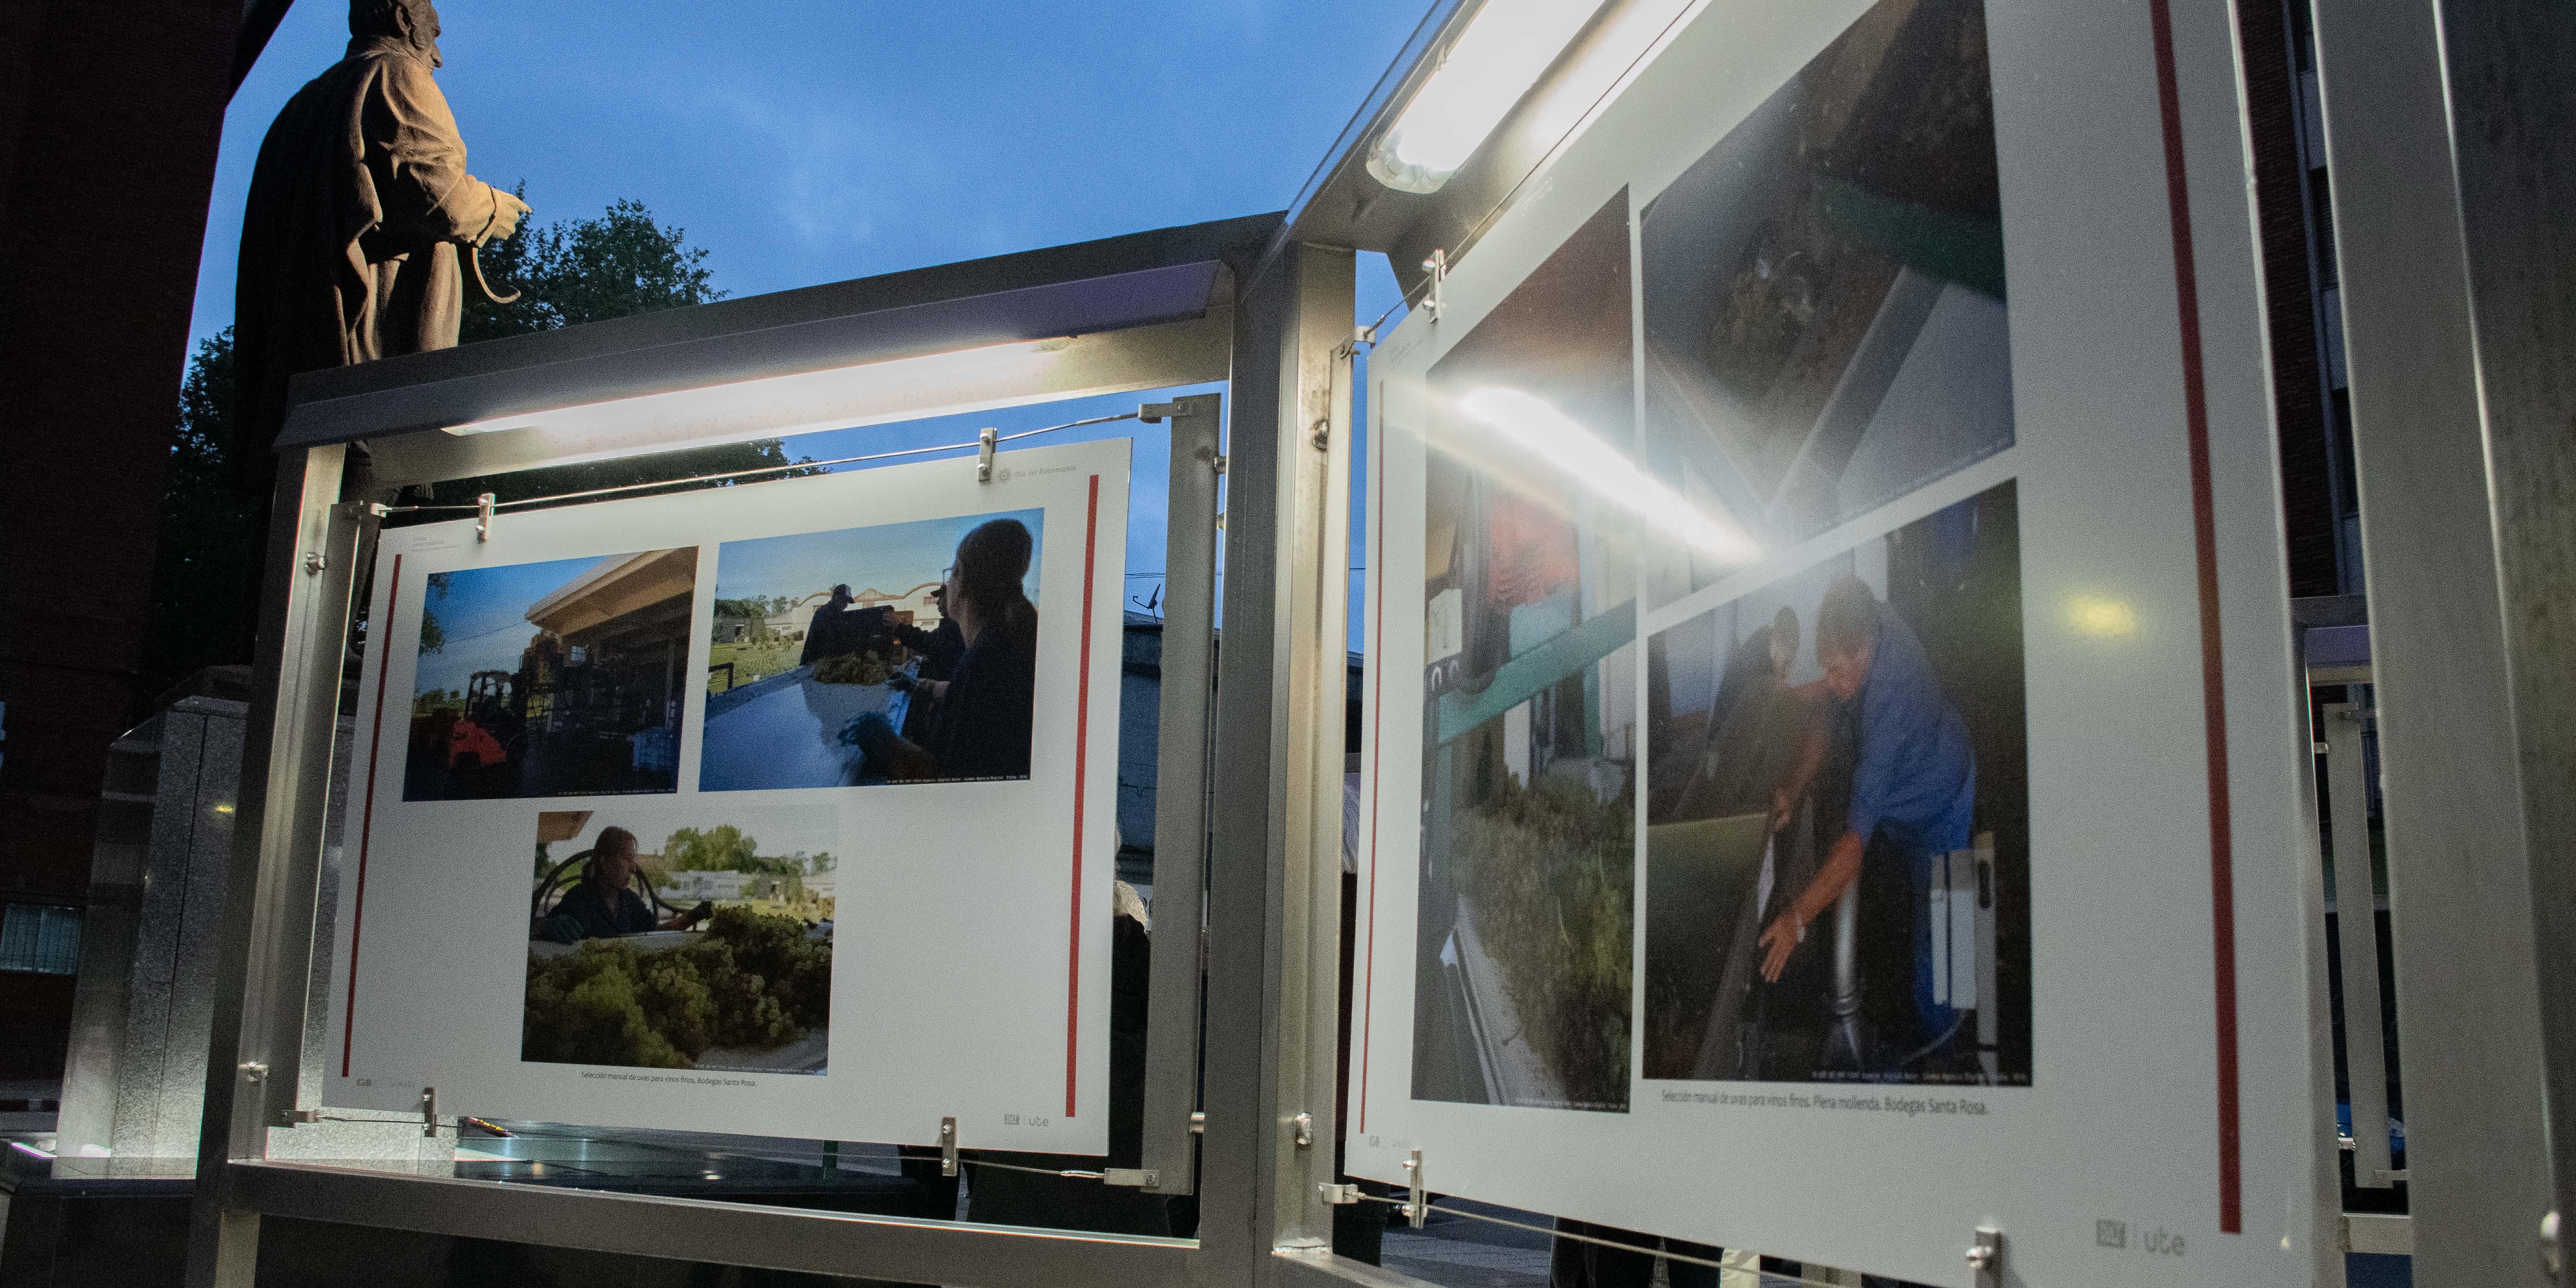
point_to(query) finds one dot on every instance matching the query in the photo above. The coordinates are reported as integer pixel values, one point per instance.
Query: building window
(40, 938)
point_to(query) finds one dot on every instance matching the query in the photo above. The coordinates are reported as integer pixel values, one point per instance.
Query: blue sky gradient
(888, 557)
(804, 141)
(484, 616)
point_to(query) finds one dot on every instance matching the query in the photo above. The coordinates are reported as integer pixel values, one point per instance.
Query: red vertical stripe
(2213, 678)
(367, 812)
(1081, 739)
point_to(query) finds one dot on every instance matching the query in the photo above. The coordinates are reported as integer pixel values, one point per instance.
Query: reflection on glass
(1824, 289)
(1527, 919)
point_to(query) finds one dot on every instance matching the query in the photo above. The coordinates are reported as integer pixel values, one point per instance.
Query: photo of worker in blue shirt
(1837, 842)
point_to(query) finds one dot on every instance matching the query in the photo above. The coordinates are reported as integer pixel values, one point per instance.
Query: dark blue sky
(803, 141)
(806, 141)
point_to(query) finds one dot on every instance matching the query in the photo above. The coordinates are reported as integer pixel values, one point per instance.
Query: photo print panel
(610, 797)
(1529, 701)
(560, 678)
(1824, 289)
(1837, 849)
(833, 655)
(1832, 708)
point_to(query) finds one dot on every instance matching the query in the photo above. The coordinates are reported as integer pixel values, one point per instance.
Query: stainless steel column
(2459, 875)
(2365, 1042)
(1180, 797)
(2512, 75)
(1272, 914)
(260, 984)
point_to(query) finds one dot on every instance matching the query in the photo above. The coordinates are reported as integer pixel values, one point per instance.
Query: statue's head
(413, 22)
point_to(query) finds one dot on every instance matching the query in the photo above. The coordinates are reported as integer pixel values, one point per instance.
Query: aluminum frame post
(1272, 992)
(2512, 74)
(260, 989)
(2365, 1040)
(2459, 873)
(1180, 797)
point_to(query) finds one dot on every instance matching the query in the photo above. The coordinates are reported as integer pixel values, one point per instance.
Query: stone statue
(358, 203)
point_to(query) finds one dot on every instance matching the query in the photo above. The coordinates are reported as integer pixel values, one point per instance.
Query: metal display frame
(1278, 340)
(2444, 204)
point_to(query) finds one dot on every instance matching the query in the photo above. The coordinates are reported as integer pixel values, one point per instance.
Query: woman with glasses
(980, 715)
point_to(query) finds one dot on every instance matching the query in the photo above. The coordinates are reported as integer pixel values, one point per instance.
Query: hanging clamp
(1417, 1206)
(1305, 1125)
(986, 439)
(1987, 1257)
(948, 1136)
(429, 1111)
(1157, 413)
(1438, 267)
(484, 505)
(1198, 1122)
(1337, 1195)
(1131, 1177)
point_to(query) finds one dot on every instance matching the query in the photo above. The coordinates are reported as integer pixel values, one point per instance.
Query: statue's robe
(347, 249)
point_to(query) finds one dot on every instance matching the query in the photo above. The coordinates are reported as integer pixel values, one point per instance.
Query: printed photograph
(1838, 840)
(1824, 289)
(901, 653)
(563, 678)
(1527, 884)
(681, 938)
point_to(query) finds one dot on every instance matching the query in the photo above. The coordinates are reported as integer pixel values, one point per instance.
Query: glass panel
(660, 1004)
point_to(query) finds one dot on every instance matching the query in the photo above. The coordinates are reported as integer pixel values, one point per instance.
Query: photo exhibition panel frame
(621, 767)
(1830, 746)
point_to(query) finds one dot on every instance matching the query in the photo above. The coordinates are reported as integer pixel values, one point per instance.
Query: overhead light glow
(1505, 47)
(1534, 426)
(791, 404)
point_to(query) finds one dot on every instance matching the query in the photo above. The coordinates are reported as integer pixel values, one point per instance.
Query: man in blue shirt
(1914, 778)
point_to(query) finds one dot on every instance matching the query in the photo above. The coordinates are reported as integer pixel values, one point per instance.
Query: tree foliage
(587, 270)
(212, 536)
(206, 585)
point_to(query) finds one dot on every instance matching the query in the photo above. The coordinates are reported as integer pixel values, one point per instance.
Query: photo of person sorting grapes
(711, 951)
(900, 653)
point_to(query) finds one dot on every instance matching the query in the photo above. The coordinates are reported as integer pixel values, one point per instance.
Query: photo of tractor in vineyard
(561, 678)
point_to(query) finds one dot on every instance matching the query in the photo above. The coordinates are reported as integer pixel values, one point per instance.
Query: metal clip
(1198, 1123)
(1417, 1207)
(300, 1117)
(1135, 1177)
(1305, 1125)
(364, 509)
(314, 562)
(1438, 267)
(254, 1072)
(483, 506)
(429, 1111)
(985, 441)
(948, 1147)
(1987, 1257)
(1157, 413)
(1337, 1195)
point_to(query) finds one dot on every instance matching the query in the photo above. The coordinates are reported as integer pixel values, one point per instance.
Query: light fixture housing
(1505, 47)
(790, 404)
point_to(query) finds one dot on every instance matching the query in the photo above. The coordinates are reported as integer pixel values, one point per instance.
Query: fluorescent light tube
(1505, 47)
